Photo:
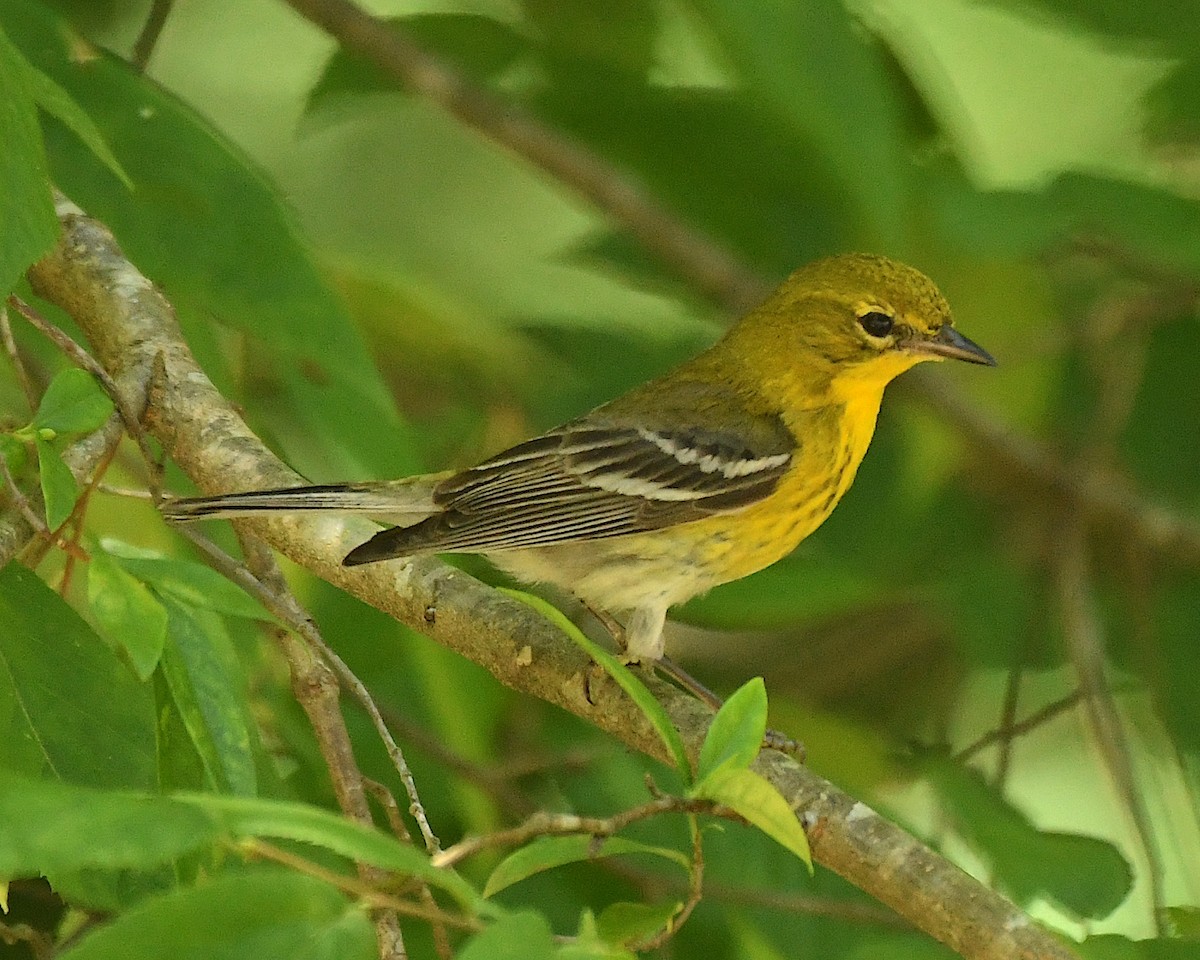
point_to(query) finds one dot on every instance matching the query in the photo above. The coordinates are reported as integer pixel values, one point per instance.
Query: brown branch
(1084, 636)
(317, 691)
(266, 584)
(132, 328)
(543, 824)
(1007, 733)
(1100, 494)
(383, 796)
(152, 29)
(707, 265)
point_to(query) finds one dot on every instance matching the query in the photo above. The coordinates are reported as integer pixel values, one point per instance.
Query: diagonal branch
(1105, 496)
(707, 265)
(134, 335)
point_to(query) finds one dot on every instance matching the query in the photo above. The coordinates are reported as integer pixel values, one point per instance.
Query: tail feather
(409, 498)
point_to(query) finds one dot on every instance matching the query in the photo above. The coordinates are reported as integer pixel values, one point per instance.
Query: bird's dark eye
(876, 323)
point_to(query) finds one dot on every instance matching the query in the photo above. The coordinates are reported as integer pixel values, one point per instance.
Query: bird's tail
(409, 498)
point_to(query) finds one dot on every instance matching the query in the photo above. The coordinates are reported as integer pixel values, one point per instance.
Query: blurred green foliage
(384, 291)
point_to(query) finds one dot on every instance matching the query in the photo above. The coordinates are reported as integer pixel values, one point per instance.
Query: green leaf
(736, 733)
(28, 224)
(201, 673)
(1085, 875)
(627, 923)
(517, 936)
(1173, 106)
(73, 403)
(615, 35)
(192, 584)
(756, 799)
(590, 945)
(546, 853)
(52, 827)
(127, 614)
(261, 914)
(59, 489)
(633, 687)
(209, 227)
(68, 706)
(253, 817)
(58, 103)
(1112, 946)
(810, 66)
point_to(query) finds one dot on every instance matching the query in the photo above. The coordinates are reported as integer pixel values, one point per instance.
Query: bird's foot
(772, 739)
(682, 678)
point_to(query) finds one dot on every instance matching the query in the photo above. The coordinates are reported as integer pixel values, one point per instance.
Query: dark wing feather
(591, 480)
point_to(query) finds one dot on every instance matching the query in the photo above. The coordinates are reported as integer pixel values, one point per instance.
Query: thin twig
(352, 885)
(143, 47)
(391, 809)
(81, 358)
(316, 690)
(1084, 636)
(286, 608)
(695, 891)
(82, 458)
(1031, 722)
(32, 517)
(14, 356)
(544, 824)
(415, 807)
(1008, 717)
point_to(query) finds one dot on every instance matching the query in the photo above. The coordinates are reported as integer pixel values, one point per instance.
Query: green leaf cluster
(73, 404)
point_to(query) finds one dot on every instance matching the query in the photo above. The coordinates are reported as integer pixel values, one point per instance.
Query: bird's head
(865, 319)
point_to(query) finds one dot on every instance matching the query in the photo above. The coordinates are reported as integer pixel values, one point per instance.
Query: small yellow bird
(709, 473)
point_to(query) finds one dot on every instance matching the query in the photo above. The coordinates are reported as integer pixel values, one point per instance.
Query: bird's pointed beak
(949, 343)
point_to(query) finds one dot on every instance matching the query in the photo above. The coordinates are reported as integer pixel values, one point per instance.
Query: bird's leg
(667, 666)
(772, 739)
(682, 678)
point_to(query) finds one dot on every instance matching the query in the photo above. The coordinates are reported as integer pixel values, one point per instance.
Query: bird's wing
(593, 479)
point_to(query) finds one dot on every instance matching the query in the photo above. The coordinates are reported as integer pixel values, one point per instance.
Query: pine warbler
(709, 473)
